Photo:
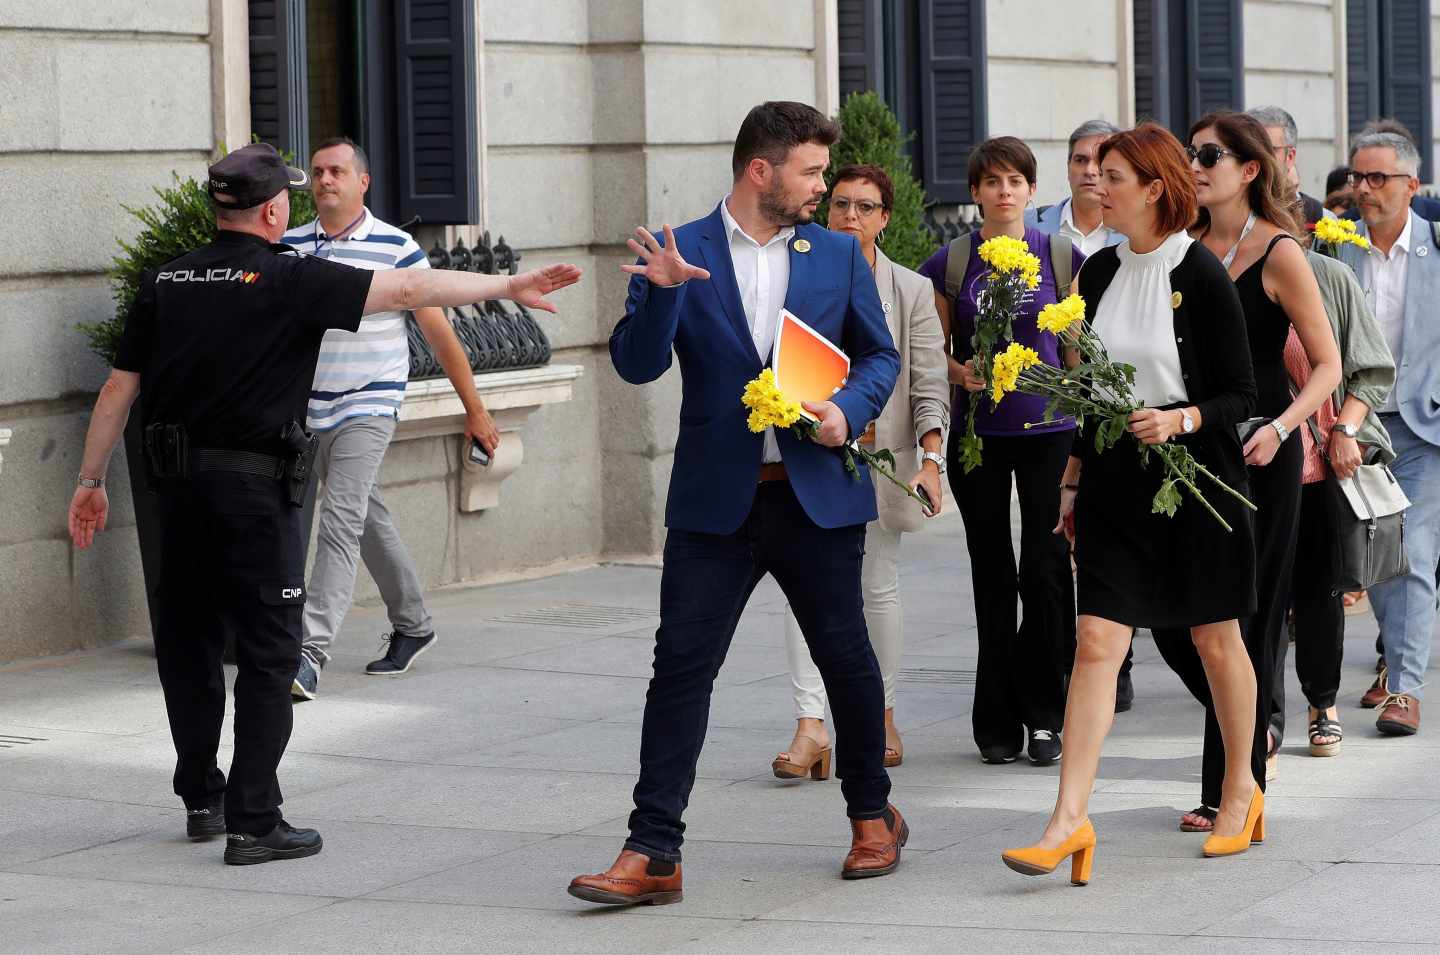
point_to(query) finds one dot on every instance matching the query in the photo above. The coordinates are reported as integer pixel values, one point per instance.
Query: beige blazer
(921, 400)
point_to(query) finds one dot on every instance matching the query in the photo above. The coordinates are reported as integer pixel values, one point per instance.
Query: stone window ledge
(432, 409)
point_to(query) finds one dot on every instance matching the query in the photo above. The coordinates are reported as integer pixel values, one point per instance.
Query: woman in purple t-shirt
(1020, 677)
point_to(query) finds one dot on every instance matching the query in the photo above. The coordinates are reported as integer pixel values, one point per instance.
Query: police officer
(225, 340)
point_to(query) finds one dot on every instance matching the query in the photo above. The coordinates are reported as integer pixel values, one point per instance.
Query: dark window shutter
(435, 111)
(278, 87)
(1152, 78)
(1362, 58)
(861, 34)
(1405, 69)
(952, 93)
(1216, 50)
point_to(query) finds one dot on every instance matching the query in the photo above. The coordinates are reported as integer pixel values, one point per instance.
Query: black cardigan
(1214, 352)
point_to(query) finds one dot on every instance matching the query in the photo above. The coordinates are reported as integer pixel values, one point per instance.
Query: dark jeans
(707, 580)
(1319, 612)
(233, 565)
(1020, 676)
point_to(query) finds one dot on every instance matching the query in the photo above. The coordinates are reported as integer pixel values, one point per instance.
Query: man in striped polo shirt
(354, 405)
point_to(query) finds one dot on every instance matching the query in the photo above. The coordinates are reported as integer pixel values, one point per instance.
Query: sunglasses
(1376, 180)
(1208, 155)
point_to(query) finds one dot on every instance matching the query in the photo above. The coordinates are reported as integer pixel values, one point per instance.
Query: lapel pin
(1175, 300)
(1421, 250)
(885, 307)
(801, 245)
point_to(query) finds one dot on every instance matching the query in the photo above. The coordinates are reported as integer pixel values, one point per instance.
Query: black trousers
(233, 564)
(1023, 663)
(1319, 611)
(1275, 489)
(706, 582)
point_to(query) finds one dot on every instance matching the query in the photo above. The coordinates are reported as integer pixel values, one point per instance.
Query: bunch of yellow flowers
(1339, 232)
(1008, 366)
(768, 405)
(1004, 253)
(1058, 318)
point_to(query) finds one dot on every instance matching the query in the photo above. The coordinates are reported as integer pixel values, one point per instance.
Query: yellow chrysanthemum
(1005, 253)
(1008, 366)
(1060, 316)
(768, 405)
(1339, 232)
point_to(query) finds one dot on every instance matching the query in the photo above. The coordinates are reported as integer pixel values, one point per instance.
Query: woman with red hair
(1164, 304)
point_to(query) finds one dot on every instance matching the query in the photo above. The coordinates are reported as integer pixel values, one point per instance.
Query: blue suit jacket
(1417, 380)
(1048, 221)
(702, 324)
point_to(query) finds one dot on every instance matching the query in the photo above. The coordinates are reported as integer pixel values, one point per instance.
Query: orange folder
(808, 367)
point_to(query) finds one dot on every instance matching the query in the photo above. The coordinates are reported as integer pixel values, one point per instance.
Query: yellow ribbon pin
(801, 245)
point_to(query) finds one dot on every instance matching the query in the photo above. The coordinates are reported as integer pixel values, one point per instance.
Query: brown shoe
(875, 845)
(633, 879)
(1377, 693)
(1399, 715)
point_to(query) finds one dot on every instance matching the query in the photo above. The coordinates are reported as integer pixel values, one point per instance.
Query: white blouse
(1135, 319)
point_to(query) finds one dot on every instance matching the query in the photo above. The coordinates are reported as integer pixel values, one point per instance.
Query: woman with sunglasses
(1246, 220)
(1020, 674)
(1163, 304)
(912, 425)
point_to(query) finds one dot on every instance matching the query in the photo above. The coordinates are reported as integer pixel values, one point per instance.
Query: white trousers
(880, 585)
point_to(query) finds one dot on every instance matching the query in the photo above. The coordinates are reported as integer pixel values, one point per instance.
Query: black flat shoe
(1124, 693)
(998, 755)
(1044, 747)
(282, 842)
(207, 823)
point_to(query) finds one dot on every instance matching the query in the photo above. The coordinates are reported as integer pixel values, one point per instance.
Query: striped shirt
(363, 373)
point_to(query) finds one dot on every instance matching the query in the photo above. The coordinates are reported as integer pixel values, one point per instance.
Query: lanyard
(1230, 256)
(346, 231)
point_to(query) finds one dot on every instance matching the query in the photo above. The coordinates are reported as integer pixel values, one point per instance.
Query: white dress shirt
(762, 273)
(1136, 320)
(1385, 290)
(1088, 243)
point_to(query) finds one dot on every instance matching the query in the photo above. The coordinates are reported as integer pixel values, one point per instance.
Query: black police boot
(282, 842)
(403, 651)
(207, 823)
(1044, 747)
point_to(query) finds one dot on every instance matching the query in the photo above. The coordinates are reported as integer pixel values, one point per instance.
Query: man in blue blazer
(742, 505)
(1400, 273)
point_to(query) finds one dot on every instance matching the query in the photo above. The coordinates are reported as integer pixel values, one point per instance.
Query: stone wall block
(537, 95)
(35, 597)
(1085, 31)
(45, 356)
(150, 16)
(536, 21)
(754, 23)
(541, 198)
(694, 96)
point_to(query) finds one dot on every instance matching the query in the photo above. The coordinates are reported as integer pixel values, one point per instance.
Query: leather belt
(773, 472)
(244, 462)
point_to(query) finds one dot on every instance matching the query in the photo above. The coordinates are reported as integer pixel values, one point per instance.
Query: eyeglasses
(1208, 155)
(863, 208)
(1376, 180)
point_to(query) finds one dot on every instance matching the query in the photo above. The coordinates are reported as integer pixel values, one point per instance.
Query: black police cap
(251, 175)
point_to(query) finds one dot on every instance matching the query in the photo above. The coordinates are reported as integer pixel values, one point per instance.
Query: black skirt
(1149, 570)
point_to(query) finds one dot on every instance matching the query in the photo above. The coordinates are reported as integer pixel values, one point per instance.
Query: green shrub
(870, 133)
(181, 221)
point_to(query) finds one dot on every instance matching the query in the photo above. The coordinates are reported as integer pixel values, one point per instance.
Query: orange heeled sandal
(1079, 848)
(805, 757)
(1252, 834)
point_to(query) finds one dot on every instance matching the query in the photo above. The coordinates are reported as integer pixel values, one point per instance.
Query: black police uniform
(225, 340)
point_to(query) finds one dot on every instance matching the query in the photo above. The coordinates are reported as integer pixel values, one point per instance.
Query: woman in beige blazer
(913, 426)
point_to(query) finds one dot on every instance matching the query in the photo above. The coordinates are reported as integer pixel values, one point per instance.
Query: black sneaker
(207, 823)
(1124, 693)
(1044, 747)
(997, 755)
(403, 651)
(282, 842)
(306, 685)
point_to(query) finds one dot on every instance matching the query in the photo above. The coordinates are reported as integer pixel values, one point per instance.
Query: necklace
(1230, 256)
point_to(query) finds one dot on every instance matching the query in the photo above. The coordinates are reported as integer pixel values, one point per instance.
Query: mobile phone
(478, 454)
(1247, 428)
(925, 496)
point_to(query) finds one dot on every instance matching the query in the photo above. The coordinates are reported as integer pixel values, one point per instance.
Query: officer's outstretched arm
(409, 289)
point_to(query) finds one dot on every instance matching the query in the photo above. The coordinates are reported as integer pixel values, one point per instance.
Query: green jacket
(1368, 370)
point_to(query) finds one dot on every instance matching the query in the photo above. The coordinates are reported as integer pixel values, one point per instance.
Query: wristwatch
(939, 459)
(92, 482)
(1280, 429)
(1349, 430)
(1187, 422)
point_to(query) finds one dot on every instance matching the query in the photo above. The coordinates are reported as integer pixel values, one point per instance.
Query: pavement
(457, 801)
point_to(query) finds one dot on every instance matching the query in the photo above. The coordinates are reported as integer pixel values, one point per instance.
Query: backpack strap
(1435, 233)
(1062, 264)
(957, 259)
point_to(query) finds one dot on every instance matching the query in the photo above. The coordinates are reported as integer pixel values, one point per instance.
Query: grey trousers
(354, 525)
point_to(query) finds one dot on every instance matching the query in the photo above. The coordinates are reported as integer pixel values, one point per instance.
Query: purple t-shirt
(1017, 409)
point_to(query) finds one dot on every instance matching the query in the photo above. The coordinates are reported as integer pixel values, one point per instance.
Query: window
(926, 59)
(397, 76)
(1189, 60)
(1388, 55)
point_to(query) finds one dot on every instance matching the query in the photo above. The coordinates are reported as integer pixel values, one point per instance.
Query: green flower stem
(882, 461)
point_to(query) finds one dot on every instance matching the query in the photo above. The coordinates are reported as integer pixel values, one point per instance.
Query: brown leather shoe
(875, 845)
(1399, 715)
(1377, 693)
(633, 879)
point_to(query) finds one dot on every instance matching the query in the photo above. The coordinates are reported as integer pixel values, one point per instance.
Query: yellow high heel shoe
(1252, 834)
(1033, 860)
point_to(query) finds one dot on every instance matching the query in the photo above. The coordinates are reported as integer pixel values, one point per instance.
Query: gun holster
(167, 450)
(302, 446)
